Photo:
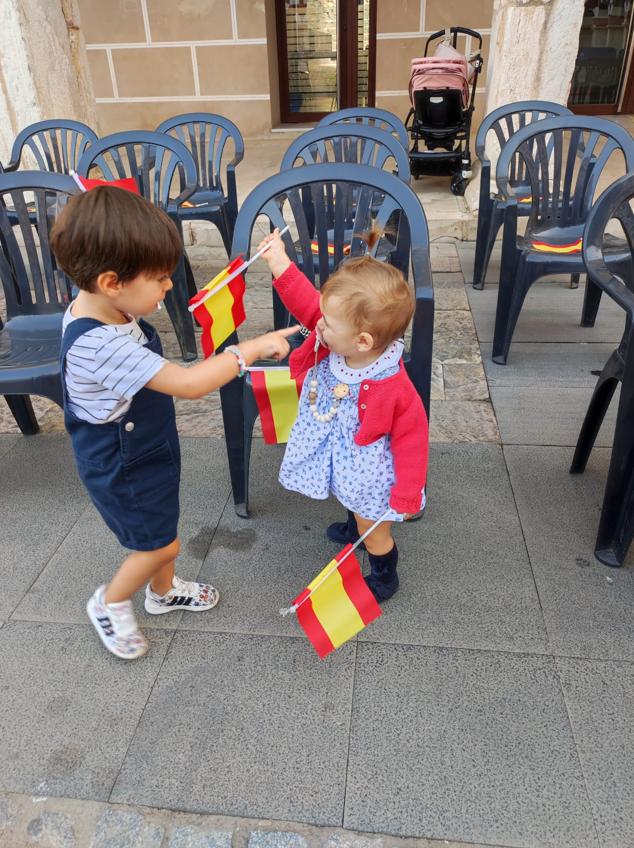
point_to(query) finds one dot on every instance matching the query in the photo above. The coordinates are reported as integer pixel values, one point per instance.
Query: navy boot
(383, 579)
(344, 532)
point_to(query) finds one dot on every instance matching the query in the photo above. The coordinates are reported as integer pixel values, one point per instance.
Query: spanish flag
(314, 246)
(545, 247)
(277, 396)
(128, 183)
(336, 605)
(221, 313)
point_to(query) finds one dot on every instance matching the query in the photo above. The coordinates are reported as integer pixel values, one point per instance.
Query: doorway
(602, 82)
(326, 56)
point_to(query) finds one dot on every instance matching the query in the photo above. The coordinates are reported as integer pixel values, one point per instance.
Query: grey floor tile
(7, 443)
(587, 606)
(42, 498)
(551, 313)
(262, 563)
(466, 252)
(68, 708)
(557, 364)
(258, 727)
(465, 576)
(600, 700)
(546, 415)
(88, 557)
(464, 745)
(205, 484)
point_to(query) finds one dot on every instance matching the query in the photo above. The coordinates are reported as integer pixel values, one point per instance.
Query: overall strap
(75, 330)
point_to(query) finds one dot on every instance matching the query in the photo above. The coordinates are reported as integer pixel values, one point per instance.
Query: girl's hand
(275, 345)
(275, 256)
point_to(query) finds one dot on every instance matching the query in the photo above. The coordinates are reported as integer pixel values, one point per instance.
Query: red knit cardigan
(386, 407)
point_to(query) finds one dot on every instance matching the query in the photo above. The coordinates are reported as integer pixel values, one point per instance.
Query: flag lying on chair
(128, 183)
(277, 396)
(220, 314)
(337, 604)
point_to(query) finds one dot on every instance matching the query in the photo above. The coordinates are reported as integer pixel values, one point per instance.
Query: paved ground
(491, 704)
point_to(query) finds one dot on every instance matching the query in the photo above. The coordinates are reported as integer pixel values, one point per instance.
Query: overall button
(129, 426)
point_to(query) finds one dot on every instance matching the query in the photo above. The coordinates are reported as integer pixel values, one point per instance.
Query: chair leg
(574, 281)
(599, 404)
(22, 410)
(251, 414)
(233, 420)
(485, 239)
(616, 525)
(511, 295)
(591, 301)
(189, 276)
(176, 303)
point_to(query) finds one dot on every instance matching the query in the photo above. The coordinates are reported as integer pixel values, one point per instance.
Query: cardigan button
(129, 427)
(366, 387)
(363, 406)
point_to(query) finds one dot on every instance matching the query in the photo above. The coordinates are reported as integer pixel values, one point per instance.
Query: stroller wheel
(458, 185)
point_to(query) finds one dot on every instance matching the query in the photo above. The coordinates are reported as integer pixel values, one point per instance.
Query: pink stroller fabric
(435, 72)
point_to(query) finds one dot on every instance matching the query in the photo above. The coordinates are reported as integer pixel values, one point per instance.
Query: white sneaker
(116, 626)
(194, 597)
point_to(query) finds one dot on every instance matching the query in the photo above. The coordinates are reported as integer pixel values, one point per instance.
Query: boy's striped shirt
(105, 368)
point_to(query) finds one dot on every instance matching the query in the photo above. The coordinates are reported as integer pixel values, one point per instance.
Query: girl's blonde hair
(375, 297)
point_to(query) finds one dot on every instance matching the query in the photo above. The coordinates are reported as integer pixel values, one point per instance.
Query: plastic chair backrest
(56, 145)
(379, 118)
(356, 143)
(564, 158)
(205, 135)
(505, 121)
(29, 203)
(382, 198)
(613, 204)
(162, 166)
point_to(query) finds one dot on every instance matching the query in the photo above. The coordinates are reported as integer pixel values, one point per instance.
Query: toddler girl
(120, 251)
(361, 431)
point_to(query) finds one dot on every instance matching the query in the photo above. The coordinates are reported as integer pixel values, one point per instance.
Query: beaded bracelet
(242, 365)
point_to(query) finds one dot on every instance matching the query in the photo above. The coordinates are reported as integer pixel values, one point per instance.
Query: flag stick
(235, 274)
(75, 177)
(332, 570)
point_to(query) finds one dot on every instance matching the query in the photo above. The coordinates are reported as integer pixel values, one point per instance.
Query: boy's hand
(275, 256)
(275, 345)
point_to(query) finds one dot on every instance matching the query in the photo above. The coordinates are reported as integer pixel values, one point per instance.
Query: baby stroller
(442, 90)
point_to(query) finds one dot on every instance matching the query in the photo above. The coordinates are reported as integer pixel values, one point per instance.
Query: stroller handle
(455, 32)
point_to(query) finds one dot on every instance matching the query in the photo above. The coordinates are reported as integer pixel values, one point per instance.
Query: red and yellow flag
(222, 313)
(334, 608)
(277, 396)
(546, 247)
(128, 183)
(314, 246)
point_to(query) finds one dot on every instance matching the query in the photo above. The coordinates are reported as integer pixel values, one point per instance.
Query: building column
(534, 45)
(43, 67)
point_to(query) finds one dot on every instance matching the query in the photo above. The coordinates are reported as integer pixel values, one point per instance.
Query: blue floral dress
(322, 457)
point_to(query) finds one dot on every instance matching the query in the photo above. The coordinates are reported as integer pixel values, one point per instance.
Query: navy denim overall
(130, 467)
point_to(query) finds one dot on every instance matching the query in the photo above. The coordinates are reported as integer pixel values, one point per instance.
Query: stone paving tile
(254, 710)
(454, 337)
(587, 606)
(465, 381)
(463, 421)
(600, 701)
(42, 499)
(464, 745)
(68, 708)
(26, 822)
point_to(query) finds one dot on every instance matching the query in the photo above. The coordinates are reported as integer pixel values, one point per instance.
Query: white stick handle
(74, 175)
(330, 571)
(233, 275)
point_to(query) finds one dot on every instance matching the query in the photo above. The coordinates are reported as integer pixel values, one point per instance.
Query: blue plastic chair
(504, 123)
(369, 115)
(206, 135)
(381, 197)
(616, 525)
(357, 143)
(57, 145)
(36, 291)
(166, 176)
(565, 158)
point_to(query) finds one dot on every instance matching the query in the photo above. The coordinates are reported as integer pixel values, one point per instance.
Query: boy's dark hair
(110, 229)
